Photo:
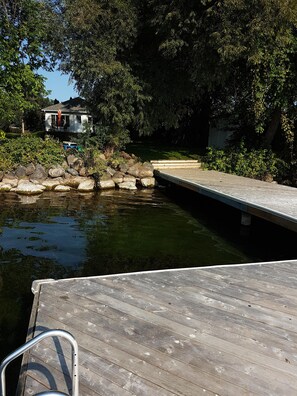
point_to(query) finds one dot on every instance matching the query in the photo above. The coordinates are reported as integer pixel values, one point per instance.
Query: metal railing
(24, 348)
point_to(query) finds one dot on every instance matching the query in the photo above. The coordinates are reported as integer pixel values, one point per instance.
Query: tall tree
(112, 52)
(156, 64)
(241, 52)
(24, 38)
(97, 41)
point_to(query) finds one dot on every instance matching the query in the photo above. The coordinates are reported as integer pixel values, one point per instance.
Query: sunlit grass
(147, 151)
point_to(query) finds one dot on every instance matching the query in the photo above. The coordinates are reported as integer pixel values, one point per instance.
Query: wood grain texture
(272, 202)
(201, 331)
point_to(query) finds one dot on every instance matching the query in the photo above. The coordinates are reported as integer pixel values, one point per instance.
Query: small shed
(68, 116)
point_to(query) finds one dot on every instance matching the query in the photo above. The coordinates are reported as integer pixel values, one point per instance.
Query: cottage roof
(73, 105)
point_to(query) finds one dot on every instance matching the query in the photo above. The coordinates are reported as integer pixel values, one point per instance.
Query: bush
(104, 138)
(2, 135)
(257, 164)
(95, 163)
(27, 149)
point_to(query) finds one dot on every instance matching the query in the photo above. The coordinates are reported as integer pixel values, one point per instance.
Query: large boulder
(21, 172)
(50, 184)
(71, 159)
(5, 186)
(28, 188)
(105, 176)
(83, 172)
(140, 170)
(87, 185)
(30, 169)
(74, 181)
(125, 155)
(128, 185)
(61, 188)
(123, 167)
(118, 177)
(105, 184)
(39, 174)
(78, 164)
(72, 172)
(110, 171)
(148, 182)
(57, 171)
(129, 178)
(9, 179)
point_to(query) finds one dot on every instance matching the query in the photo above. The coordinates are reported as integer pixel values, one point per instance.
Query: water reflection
(60, 240)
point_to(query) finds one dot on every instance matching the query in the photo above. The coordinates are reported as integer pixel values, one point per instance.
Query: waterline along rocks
(126, 173)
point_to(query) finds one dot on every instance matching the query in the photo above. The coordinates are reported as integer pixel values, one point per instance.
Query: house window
(78, 119)
(54, 121)
(64, 121)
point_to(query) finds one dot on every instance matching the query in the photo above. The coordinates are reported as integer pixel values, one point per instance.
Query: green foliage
(95, 162)
(24, 38)
(27, 149)
(116, 159)
(151, 65)
(106, 32)
(104, 138)
(93, 136)
(2, 135)
(257, 164)
(116, 140)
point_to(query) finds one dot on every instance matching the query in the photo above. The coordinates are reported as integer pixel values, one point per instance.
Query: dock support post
(246, 219)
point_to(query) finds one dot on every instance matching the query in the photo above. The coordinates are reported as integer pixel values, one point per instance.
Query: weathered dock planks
(272, 202)
(229, 330)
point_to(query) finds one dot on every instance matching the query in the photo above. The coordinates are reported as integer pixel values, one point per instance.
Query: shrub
(254, 163)
(26, 149)
(104, 138)
(95, 163)
(2, 135)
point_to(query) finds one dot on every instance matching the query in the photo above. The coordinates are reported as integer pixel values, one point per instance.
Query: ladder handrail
(28, 345)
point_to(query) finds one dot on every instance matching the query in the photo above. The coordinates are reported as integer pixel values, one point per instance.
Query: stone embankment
(130, 174)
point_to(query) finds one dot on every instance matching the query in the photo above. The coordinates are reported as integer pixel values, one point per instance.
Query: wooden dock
(228, 330)
(269, 201)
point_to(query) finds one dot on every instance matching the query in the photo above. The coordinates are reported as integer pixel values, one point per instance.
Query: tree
(112, 53)
(242, 53)
(98, 37)
(24, 48)
(263, 52)
(150, 65)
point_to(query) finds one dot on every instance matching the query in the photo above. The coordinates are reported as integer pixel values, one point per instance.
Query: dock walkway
(228, 330)
(273, 202)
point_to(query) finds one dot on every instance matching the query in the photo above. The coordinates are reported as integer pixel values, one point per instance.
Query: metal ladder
(22, 349)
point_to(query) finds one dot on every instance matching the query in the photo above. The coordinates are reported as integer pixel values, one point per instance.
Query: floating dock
(272, 202)
(227, 330)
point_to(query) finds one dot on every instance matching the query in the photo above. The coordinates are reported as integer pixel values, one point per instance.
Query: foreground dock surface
(273, 202)
(202, 331)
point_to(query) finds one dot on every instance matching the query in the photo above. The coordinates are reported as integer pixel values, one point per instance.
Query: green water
(66, 235)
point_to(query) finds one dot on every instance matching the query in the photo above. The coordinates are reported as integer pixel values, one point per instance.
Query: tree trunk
(272, 128)
(23, 126)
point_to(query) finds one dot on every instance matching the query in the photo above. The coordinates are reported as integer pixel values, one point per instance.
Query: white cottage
(68, 116)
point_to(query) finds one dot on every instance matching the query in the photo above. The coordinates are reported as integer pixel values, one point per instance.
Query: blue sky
(59, 85)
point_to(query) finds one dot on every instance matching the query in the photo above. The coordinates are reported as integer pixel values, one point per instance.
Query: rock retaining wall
(73, 175)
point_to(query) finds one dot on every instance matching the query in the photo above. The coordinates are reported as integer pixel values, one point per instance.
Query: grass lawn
(147, 151)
